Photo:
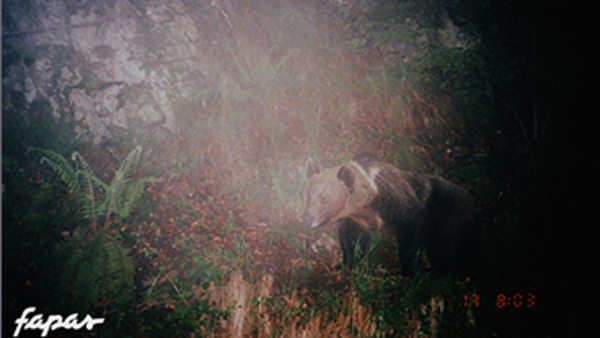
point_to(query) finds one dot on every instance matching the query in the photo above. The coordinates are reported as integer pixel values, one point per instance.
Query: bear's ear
(312, 168)
(347, 176)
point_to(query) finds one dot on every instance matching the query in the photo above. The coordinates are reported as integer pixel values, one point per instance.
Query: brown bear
(423, 212)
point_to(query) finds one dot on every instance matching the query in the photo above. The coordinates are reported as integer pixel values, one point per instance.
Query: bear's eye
(324, 200)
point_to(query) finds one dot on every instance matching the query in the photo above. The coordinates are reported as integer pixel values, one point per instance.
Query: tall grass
(295, 91)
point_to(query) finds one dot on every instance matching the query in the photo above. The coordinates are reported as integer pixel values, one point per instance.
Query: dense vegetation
(192, 229)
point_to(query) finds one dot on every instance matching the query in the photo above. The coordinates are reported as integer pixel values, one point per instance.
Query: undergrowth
(199, 235)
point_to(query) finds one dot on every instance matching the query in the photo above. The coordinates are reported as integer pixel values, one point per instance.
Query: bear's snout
(307, 221)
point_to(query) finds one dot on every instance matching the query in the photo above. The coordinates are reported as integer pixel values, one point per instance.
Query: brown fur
(366, 194)
(335, 193)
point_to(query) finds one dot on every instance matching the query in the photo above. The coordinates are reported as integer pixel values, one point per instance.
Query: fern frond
(101, 191)
(121, 188)
(61, 167)
(92, 187)
(131, 160)
(81, 271)
(128, 198)
(98, 198)
(93, 268)
(119, 266)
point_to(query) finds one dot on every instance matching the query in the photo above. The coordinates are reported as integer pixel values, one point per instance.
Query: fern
(93, 268)
(60, 166)
(121, 185)
(119, 265)
(96, 264)
(93, 189)
(98, 198)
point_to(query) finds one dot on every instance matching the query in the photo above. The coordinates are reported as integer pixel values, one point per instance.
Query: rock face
(122, 65)
(110, 63)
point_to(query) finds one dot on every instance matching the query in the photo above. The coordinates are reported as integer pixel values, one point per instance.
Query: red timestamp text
(518, 300)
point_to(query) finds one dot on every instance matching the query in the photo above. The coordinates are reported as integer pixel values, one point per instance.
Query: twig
(516, 115)
(176, 289)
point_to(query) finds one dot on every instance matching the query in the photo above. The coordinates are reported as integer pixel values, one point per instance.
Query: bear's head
(335, 193)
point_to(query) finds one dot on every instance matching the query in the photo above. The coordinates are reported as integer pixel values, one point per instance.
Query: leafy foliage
(98, 198)
(94, 262)
(93, 268)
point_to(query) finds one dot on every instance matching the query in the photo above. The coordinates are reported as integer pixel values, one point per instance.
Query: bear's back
(399, 192)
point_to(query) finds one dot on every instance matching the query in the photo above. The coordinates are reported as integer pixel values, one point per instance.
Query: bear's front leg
(408, 250)
(354, 240)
